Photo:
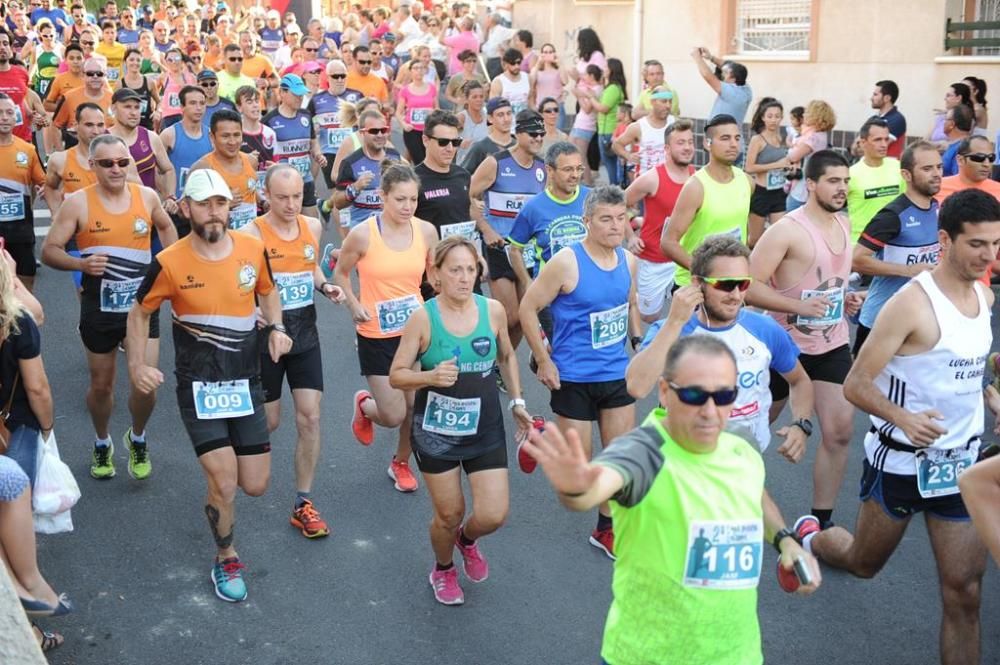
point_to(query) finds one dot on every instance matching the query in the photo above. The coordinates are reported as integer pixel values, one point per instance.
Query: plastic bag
(55, 489)
(61, 523)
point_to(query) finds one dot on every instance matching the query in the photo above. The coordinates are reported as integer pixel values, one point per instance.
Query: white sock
(807, 542)
(137, 438)
(102, 443)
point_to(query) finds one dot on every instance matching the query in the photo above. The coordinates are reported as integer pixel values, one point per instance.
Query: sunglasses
(235, 59)
(337, 77)
(376, 130)
(209, 84)
(83, 43)
(515, 64)
(94, 74)
(728, 284)
(536, 135)
(551, 109)
(364, 62)
(980, 157)
(108, 163)
(443, 142)
(697, 396)
(312, 50)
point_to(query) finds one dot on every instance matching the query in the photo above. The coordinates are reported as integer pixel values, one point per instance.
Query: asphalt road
(137, 565)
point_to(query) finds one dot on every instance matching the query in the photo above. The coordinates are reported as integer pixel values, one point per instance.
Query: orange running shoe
(403, 477)
(307, 518)
(361, 425)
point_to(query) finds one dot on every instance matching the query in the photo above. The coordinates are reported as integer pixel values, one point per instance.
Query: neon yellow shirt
(724, 211)
(870, 190)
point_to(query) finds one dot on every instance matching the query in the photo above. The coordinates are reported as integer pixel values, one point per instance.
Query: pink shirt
(458, 43)
(418, 107)
(548, 83)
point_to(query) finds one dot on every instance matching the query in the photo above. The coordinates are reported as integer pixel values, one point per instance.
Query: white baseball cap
(206, 183)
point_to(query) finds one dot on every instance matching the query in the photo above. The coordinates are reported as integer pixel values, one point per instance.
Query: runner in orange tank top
(112, 222)
(238, 169)
(391, 252)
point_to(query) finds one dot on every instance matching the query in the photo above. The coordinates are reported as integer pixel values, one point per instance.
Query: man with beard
(214, 281)
(112, 222)
(800, 269)
(901, 241)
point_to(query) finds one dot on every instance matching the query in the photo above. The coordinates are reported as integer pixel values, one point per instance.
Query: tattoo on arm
(222, 542)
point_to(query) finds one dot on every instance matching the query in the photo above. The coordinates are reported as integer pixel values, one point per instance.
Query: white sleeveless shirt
(516, 92)
(651, 152)
(948, 378)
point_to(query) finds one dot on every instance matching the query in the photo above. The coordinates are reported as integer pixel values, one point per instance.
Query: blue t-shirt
(733, 100)
(324, 108)
(949, 160)
(896, 122)
(55, 15)
(128, 37)
(271, 40)
(368, 201)
(551, 223)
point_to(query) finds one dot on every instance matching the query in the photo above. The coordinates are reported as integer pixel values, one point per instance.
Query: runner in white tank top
(651, 153)
(512, 84)
(642, 141)
(920, 376)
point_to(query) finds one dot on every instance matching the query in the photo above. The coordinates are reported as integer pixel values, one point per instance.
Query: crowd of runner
(402, 163)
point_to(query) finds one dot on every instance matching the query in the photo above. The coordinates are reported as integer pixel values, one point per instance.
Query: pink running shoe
(445, 585)
(473, 561)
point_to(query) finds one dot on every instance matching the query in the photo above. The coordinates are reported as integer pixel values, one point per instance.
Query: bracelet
(351, 192)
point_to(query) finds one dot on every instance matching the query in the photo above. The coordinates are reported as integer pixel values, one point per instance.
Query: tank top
(659, 207)
(145, 160)
(125, 238)
(516, 92)
(74, 175)
(724, 211)
(769, 154)
(471, 131)
(243, 186)
(590, 323)
(548, 83)
(293, 140)
(418, 107)
(948, 378)
(145, 108)
(47, 68)
(382, 72)
(293, 263)
(513, 186)
(325, 109)
(390, 281)
(186, 152)
(827, 275)
(170, 96)
(651, 152)
(464, 420)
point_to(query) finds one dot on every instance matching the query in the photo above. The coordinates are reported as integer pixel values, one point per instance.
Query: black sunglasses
(94, 74)
(980, 157)
(337, 77)
(442, 142)
(364, 62)
(697, 396)
(376, 130)
(235, 59)
(108, 163)
(312, 50)
(551, 109)
(536, 135)
(209, 84)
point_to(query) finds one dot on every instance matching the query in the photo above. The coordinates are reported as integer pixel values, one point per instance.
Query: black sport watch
(781, 535)
(805, 425)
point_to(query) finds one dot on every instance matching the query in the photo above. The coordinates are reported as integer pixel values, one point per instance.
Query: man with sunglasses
(500, 119)
(362, 79)
(689, 502)
(231, 77)
(379, 67)
(512, 84)
(976, 157)
(78, 22)
(209, 82)
(45, 10)
(296, 143)
(712, 304)
(590, 292)
(127, 32)
(256, 65)
(875, 178)
(112, 222)
(95, 90)
(357, 186)
(324, 107)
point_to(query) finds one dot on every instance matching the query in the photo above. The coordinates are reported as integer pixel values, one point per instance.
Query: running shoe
(473, 562)
(227, 576)
(361, 425)
(604, 540)
(103, 465)
(328, 262)
(445, 585)
(402, 476)
(805, 525)
(139, 466)
(307, 518)
(526, 462)
(324, 213)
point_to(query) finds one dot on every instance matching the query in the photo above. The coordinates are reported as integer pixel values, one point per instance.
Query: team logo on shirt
(140, 227)
(540, 175)
(482, 346)
(252, 184)
(309, 252)
(305, 121)
(246, 277)
(21, 158)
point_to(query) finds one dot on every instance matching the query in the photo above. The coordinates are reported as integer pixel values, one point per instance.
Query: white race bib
(215, 400)
(117, 297)
(242, 215)
(451, 416)
(465, 229)
(608, 327)
(938, 470)
(393, 314)
(724, 555)
(295, 289)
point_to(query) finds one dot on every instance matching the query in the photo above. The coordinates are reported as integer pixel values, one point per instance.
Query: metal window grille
(774, 26)
(987, 10)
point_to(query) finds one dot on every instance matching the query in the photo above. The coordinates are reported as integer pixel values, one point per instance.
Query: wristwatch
(279, 327)
(781, 535)
(805, 425)
(516, 402)
(636, 341)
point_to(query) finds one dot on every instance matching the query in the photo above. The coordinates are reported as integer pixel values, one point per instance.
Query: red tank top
(659, 207)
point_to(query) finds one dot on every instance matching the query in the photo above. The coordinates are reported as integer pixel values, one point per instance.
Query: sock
(463, 540)
(807, 543)
(444, 566)
(603, 522)
(137, 438)
(102, 443)
(300, 498)
(824, 515)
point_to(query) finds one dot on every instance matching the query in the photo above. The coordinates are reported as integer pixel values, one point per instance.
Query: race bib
(261, 177)
(215, 400)
(174, 100)
(776, 179)
(938, 470)
(451, 416)
(295, 289)
(113, 74)
(242, 215)
(18, 116)
(345, 218)
(724, 555)
(143, 106)
(11, 207)
(302, 164)
(419, 116)
(393, 314)
(608, 327)
(117, 297)
(527, 255)
(834, 313)
(334, 137)
(465, 229)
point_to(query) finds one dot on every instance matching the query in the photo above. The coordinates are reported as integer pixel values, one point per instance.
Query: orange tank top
(74, 176)
(293, 263)
(243, 185)
(390, 281)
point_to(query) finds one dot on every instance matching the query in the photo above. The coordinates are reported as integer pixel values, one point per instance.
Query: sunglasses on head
(376, 130)
(108, 163)
(94, 74)
(980, 157)
(443, 142)
(337, 77)
(697, 396)
(728, 283)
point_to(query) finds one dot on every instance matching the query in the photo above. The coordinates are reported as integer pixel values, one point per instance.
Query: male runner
(716, 200)
(512, 84)
(237, 168)
(648, 132)
(231, 76)
(692, 517)
(20, 173)
(875, 178)
(653, 78)
(883, 100)
(112, 222)
(361, 78)
(499, 116)
(324, 108)
(901, 241)
(296, 143)
(590, 291)
(215, 281)
(800, 267)
(976, 156)
(292, 244)
(503, 182)
(920, 376)
(258, 138)
(186, 142)
(658, 189)
(357, 185)
(147, 150)
(713, 304)
(112, 51)
(209, 82)
(94, 91)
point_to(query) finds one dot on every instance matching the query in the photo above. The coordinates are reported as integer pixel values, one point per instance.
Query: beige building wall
(855, 43)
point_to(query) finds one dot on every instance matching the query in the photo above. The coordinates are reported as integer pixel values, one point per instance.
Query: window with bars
(779, 27)
(987, 11)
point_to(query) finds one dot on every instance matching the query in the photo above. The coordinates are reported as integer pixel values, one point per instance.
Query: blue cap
(294, 84)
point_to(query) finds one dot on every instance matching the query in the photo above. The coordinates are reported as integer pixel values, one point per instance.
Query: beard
(830, 207)
(210, 236)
